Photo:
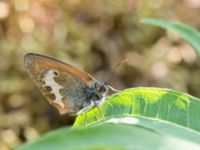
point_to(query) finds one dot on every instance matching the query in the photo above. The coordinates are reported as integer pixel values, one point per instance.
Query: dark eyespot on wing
(51, 96)
(48, 88)
(55, 73)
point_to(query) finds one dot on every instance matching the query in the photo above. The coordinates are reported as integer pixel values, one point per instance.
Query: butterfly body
(67, 88)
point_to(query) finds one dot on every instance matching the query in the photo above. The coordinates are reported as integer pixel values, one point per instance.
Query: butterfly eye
(97, 87)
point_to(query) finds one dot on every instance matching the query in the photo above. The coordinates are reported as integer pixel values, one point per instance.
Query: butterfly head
(97, 92)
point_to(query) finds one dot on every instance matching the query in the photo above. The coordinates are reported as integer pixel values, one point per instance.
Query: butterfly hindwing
(62, 84)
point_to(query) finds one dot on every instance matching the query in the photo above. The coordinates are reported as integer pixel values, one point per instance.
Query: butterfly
(67, 88)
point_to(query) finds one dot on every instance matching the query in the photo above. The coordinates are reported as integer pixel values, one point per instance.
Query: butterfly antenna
(118, 64)
(113, 68)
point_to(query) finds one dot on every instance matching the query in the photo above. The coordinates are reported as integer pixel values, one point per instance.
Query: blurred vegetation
(93, 35)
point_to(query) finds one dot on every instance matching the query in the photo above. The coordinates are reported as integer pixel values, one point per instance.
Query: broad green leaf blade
(160, 126)
(108, 136)
(186, 32)
(151, 103)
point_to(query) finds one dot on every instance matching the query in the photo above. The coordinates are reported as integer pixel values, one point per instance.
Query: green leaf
(162, 110)
(186, 32)
(108, 137)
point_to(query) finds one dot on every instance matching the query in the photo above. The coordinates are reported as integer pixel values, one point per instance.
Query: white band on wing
(55, 87)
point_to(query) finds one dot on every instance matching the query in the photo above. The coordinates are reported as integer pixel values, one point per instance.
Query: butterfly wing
(62, 84)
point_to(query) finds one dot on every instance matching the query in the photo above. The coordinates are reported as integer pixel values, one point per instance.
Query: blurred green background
(93, 35)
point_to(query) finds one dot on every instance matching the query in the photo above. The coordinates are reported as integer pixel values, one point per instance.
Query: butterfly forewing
(62, 84)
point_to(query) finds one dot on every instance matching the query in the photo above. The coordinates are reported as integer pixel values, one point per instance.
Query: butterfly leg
(86, 109)
(99, 109)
